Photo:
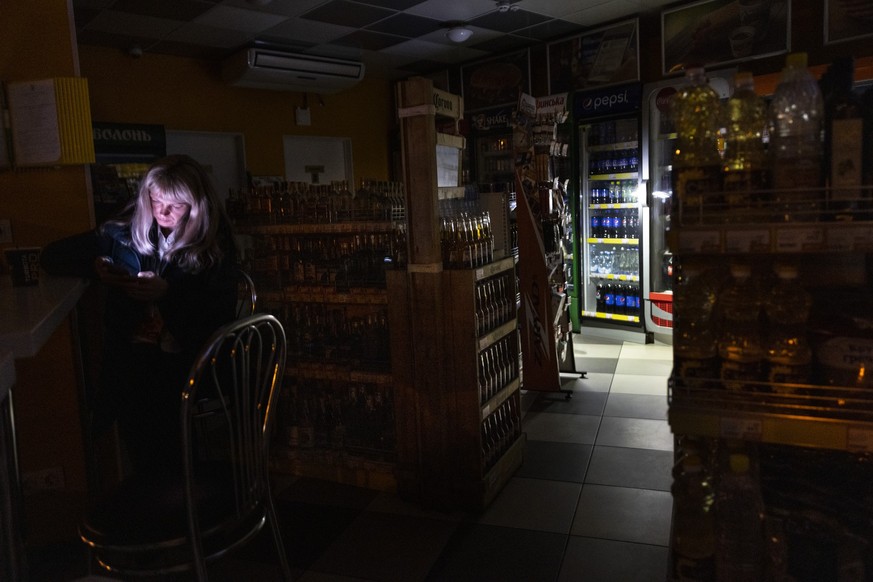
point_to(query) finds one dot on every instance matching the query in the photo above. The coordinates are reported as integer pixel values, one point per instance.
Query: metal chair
(247, 295)
(159, 524)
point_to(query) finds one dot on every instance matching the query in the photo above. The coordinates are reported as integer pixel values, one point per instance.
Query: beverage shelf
(350, 227)
(793, 237)
(614, 277)
(609, 206)
(327, 294)
(615, 176)
(614, 241)
(611, 316)
(495, 401)
(323, 370)
(609, 147)
(829, 417)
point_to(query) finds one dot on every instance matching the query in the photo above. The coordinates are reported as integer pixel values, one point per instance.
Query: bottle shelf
(350, 227)
(615, 176)
(609, 147)
(611, 205)
(325, 370)
(611, 316)
(829, 417)
(794, 237)
(614, 277)
(614, 241)
(325, 294)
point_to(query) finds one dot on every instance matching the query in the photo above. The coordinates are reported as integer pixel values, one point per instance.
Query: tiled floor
(591, 502)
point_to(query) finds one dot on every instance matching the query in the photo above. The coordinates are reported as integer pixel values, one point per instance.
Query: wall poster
(847, 20)
(496, 82)
(718, 32)
(604, 56)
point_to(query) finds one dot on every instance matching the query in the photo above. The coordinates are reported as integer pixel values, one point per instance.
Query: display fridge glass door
(610, 223)
(494, 163)
(661, 142)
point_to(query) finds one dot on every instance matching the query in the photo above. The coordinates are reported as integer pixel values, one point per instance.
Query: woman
(169, 264)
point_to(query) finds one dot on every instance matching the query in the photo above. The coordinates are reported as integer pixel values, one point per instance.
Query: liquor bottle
(697, 162)
(795, 127)
(693, 523)
(844, 126)
(745, 159)
(739, 510)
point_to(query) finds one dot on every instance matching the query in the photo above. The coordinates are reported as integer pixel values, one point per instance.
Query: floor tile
(638, 433)
(383, 547)
(592, 382)
(580, 402)
(534, 504)
(596, 364)
(637, 406)
(601, 349)
(624, 514)
(322, 577)
(635, 351)
(564, 428)
(555, 461)
(644, 367)
(391, 503)
(484, 553)
(639, 384)
(322, 492)
(625, 467)
(593, 560)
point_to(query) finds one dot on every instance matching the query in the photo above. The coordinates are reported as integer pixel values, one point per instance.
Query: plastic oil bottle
(740, 344)
(739, 511)
(693, 522)
(796, 123)
(696, 113)
(695, 346)
(787, 308)
(746, 172)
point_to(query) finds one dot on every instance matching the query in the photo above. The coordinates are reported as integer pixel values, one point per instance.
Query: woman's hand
(146, 286)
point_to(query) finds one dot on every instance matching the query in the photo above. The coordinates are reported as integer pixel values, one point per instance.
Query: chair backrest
(247, 296)
(228, 409)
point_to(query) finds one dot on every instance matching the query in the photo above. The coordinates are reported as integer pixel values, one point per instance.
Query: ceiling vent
(284, 71)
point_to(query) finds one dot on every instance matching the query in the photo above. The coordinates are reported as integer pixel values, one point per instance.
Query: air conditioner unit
(284, 71)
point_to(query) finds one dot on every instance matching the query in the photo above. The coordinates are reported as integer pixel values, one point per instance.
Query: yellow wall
(188, 94)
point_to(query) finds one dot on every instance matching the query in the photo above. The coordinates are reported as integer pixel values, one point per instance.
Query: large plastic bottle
(787, 308)
(796, 123)
(696, 112)
(695, 347)
(740, 344)
(739, 511)
(693, 523)
(746, 170)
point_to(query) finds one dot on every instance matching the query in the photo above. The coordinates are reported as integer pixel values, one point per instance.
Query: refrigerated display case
(611, 215)
(657, 146)
(491, 146)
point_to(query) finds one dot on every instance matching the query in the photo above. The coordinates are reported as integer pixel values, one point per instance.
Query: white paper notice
(34, 114)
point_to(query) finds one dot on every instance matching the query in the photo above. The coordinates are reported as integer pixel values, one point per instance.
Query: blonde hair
(180, 179)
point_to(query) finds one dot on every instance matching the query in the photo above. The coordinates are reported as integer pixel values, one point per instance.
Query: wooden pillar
(424, 466)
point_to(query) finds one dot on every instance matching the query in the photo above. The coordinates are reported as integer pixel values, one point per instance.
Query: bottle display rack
(484, 380)
(325, 280)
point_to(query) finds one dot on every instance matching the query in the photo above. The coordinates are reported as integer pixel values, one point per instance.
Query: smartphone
(114, 269)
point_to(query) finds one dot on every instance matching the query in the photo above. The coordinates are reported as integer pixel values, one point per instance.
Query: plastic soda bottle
(796, 122)
(740, 345)
(746, 173)
(787, 308)
(696, 112)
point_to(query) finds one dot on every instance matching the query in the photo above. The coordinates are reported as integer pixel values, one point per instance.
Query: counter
(28, 317)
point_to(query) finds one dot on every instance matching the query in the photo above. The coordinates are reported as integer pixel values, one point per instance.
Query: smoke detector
(506, 6)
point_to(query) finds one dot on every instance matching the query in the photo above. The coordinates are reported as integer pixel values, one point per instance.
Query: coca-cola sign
(664, 98)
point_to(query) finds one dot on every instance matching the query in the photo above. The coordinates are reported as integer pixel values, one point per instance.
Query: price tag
(799, 239)
(746, 429)
(850, 238)
(745, 241)
(859, 440)
(699, 241)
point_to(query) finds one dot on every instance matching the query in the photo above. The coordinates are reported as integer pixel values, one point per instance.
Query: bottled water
(693, 523)
(788, 350)
(740, 344)
(796, 115)
(739, 512)
(745, 168)
(696, 112)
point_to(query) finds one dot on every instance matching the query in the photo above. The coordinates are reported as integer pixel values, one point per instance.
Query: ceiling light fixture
(506, 6)
(459, 33)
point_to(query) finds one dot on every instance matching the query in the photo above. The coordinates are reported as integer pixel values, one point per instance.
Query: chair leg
(277, 540)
